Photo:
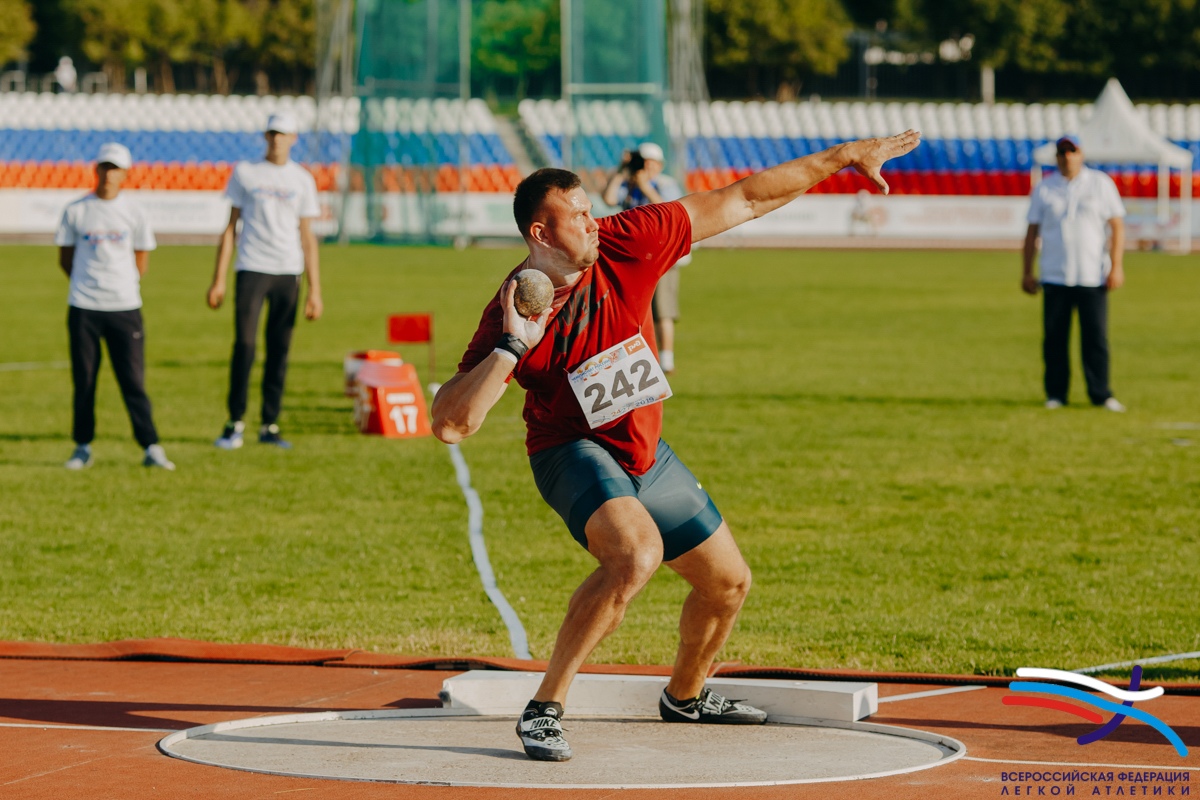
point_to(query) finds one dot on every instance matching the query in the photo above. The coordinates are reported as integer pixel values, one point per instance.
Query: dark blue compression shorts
(578, 477)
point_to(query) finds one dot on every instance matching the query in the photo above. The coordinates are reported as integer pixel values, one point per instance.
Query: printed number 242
(621, 387)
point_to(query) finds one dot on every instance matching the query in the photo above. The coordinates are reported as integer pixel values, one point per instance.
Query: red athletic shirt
(606, 306)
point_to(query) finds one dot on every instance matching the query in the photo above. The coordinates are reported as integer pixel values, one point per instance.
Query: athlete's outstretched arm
(463, 402)
(761, 193)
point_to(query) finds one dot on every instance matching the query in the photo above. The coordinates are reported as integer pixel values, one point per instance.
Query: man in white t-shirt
(104, 247)
(1073, 212)
(275, 200)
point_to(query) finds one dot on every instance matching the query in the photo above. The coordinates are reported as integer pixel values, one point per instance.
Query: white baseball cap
(282, 122)
(116, 154)
(651, 152)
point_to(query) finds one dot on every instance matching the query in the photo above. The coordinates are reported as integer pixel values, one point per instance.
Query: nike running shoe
(709, 708)
(231, 437)
(542, 735)
(269, 434)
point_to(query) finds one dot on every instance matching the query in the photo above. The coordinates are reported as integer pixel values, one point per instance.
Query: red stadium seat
(1146, 184)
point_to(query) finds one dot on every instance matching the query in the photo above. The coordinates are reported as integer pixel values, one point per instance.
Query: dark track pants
(125, 336)
(282, 294)
(1059, 302)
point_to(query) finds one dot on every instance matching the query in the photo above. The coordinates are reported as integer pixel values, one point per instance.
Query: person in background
(104, 246)
(1073, 213)
(640, 180)
(65, 75)
(275, 200)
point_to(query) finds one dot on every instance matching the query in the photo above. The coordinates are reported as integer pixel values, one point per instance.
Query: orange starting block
(354, 362)
(389, 401)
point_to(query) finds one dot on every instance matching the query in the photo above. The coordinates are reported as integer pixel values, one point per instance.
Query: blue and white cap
(1068, 142)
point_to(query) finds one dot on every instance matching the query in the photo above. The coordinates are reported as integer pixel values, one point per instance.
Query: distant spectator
(640, 180)
(65, 74)
(104, 246)
(275, 200)
(1072, 212)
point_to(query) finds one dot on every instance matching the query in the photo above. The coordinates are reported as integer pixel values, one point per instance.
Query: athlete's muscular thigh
(715, 566)
(622, 535)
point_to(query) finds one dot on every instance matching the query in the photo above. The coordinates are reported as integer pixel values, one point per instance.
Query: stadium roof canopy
(1116, 134)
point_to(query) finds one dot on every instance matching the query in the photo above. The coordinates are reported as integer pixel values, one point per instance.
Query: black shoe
(269, 434)
(542, 735)
(709, 708)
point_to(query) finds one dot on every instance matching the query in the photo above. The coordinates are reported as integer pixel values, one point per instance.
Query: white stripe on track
(516, 631)
(33, 366)
(1155, 660)
(931, 693)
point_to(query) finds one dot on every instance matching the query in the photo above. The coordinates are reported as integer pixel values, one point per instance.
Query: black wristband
(512, 344)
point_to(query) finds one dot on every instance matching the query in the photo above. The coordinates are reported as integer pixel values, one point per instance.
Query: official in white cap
(640, 180)
(275, 200)
(104, 246)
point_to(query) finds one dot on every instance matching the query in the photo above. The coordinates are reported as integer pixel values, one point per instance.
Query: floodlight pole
(348, 83)
(464, 96)
(567, 94)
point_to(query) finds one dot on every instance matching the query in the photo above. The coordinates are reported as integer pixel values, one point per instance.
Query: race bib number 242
(612, 383)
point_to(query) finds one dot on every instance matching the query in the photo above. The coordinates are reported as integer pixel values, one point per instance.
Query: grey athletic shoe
(81, 458)
(231, 436)
(542, 735)
(709, 708)
(157, 457)
(1113, 404)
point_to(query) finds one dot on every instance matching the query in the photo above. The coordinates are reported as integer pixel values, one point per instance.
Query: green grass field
(869, 423)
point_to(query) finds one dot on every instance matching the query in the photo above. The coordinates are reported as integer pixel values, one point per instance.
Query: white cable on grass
(516, 631)
(1090, 683)
(1155, 660)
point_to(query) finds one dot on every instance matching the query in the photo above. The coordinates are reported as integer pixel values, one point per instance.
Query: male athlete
(594, 415)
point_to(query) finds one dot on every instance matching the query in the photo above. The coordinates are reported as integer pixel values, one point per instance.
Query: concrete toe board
(609, 753)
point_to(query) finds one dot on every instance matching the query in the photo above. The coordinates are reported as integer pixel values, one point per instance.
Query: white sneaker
(231, 436)
(81, 458)
(157, 457)
(666, 359)
(1113, 404)
(1052, 403)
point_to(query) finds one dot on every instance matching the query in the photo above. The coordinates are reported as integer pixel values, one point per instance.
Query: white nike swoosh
(690, 715)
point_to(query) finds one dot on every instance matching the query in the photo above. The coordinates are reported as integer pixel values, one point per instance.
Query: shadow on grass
(35, 437)
(814, 397)
(174, 363)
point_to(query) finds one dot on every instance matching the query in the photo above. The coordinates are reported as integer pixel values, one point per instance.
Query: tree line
(751, 47)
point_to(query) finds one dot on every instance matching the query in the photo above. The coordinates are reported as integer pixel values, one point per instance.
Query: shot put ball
(534, 292)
